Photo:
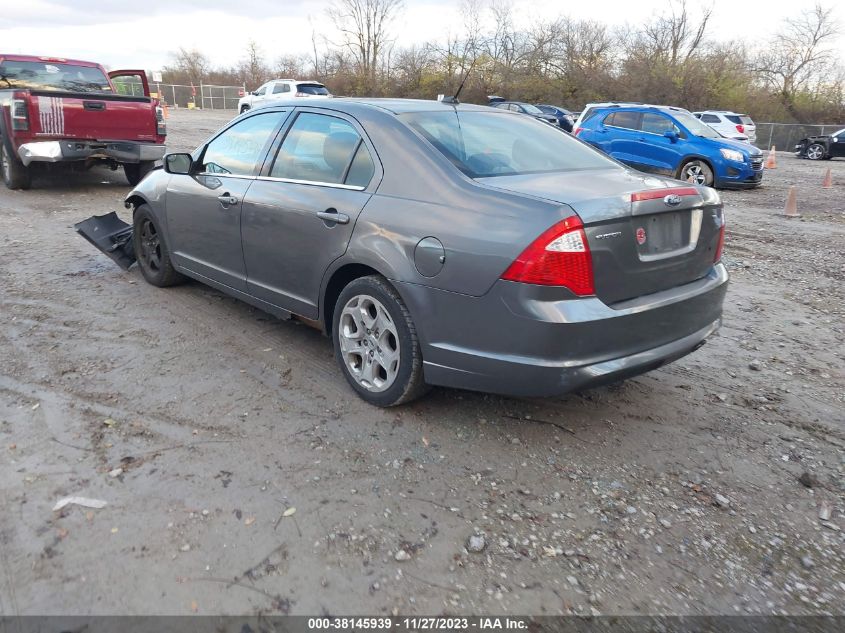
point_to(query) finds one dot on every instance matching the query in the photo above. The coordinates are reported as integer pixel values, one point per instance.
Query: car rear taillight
(577, 131)
(20, 114)
(559, 257)
(161, 124)
(740, 128)
(720, 245)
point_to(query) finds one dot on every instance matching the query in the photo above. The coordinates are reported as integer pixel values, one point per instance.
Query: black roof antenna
(454, 100)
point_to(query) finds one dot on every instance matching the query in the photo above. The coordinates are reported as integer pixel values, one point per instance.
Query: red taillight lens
(720, 245)
(20, 114)
(577, 131)
(740, 128)
(559, 257)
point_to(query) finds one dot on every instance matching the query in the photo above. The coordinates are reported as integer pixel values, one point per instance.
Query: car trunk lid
(645, 234)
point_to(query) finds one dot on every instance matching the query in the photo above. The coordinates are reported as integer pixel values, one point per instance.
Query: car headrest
(337, 150)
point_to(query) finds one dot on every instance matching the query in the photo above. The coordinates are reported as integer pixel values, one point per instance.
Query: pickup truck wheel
(135, 172)
(15, 174)
(151, 250)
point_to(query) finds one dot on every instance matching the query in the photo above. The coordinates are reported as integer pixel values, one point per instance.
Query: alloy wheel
(150, 246)
(815, 152)
(694, 174)
(369, 343)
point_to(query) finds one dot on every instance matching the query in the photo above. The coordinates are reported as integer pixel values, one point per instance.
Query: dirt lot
(242, 475)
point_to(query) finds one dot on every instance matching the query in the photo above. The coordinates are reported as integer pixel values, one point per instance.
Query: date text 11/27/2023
(419, 623)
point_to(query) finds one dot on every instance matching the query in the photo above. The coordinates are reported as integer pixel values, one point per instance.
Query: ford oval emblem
(673, 200)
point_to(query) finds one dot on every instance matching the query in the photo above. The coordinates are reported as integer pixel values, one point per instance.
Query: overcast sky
(141, 34)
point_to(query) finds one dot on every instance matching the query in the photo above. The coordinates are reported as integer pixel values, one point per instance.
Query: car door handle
(331, 215)
(227, 200)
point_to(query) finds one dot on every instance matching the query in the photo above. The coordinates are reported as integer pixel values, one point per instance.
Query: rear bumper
(513, 341)
(74, 150)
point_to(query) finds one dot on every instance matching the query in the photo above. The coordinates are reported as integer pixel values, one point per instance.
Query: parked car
(65, 110)
(281, 89)
(437, 244)
(591, 108)
(525, 108)
(730, 124)
(672, 142)
(565, 118)
(822, 147)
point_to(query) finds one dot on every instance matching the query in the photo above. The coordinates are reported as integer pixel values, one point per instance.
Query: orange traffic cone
(827, 183)
(791, 209)
(771, 159)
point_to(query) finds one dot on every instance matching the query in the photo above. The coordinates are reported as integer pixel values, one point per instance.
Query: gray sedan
(436, 244)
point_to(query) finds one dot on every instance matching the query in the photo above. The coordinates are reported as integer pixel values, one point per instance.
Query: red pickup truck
(64, 110)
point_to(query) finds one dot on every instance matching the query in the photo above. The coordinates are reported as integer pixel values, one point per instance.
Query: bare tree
(192, 64)
(364, 26)
(799, 53)
(252, 69)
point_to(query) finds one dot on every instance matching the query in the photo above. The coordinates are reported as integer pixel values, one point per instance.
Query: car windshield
(312, 89)
(53, 76)
(694, 126)
(839, 133)
(485, 144)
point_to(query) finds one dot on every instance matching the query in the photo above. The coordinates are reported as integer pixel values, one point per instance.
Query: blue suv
(671, 141)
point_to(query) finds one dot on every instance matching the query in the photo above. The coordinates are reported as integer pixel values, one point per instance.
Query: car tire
(697, 172)
(135, 172)
(815, 151)
(151, 250)
(16, 175)
(244, 108)
(375, 343)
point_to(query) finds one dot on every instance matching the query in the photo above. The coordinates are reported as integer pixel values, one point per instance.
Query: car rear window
(312, 89)
(746, 120)
(53, 76)
(485, 144)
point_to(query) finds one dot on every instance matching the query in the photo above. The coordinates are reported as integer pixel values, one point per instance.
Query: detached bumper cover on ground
(111, 235)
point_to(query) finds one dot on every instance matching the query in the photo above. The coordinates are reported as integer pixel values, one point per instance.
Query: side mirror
(178, 164)
(672, 135)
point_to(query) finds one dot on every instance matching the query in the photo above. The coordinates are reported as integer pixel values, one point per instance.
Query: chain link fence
(211, 97)
(784, 136)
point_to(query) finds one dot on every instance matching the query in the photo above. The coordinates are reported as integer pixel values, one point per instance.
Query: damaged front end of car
(110, 235)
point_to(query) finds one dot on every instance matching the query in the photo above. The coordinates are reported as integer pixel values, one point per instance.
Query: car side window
(658, 124)
(362, 169)
(626, 120)
(320, 148)
(709, 118)
(261, 91)
(238, 149)
(279, 88)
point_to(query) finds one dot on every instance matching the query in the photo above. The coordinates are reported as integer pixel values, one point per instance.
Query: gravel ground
(242, 476)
